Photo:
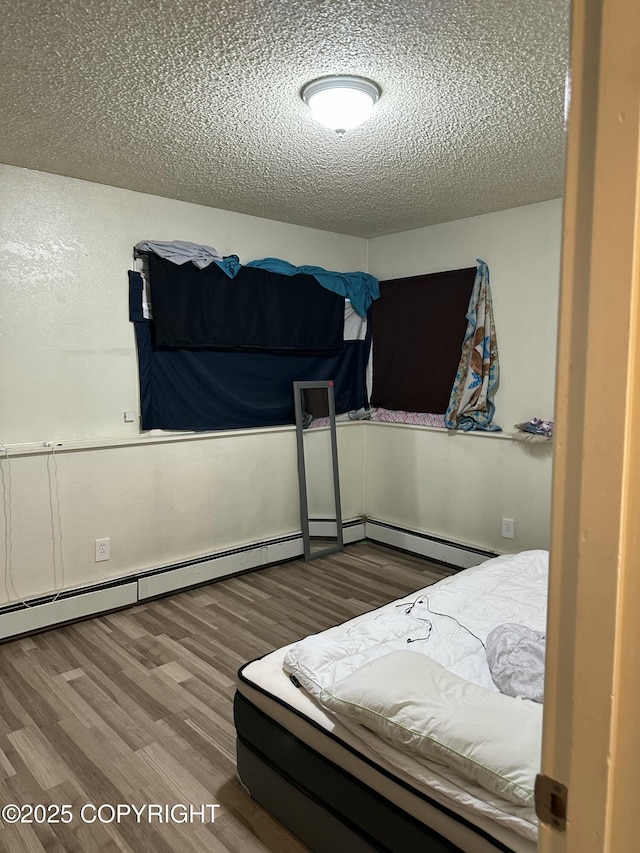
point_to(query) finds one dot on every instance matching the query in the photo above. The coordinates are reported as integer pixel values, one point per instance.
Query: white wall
(460, 487)
(158, 503)
(67, 346)
(69, 372)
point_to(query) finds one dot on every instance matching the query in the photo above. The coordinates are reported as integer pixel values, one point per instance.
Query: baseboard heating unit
(37, 614)
(441, 550)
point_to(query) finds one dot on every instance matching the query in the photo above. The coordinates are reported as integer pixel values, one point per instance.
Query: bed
(324, 744)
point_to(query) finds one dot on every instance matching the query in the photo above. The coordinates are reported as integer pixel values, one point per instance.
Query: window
(200, 387)
(419, 325)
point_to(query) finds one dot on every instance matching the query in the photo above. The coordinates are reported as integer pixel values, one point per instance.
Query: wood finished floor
(136, 706)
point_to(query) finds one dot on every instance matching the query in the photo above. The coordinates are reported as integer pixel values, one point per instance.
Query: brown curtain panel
(419, 325)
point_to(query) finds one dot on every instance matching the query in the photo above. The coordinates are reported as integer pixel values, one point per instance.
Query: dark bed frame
(330, 810)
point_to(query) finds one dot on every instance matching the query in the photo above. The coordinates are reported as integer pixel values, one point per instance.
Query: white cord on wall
(5, 471)
(56, 523)
(57, 514)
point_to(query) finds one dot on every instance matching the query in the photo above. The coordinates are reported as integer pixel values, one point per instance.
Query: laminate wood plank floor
(135, 708)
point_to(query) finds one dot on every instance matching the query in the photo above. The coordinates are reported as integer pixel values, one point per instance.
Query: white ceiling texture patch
(200, 101)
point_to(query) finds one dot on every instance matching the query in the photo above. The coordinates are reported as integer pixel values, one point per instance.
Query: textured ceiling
(200, 101)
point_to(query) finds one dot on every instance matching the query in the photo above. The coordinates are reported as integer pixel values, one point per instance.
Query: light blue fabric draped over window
(471, 406)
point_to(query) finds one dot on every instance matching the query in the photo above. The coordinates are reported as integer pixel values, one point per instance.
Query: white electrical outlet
(508, 528)
(103, 549)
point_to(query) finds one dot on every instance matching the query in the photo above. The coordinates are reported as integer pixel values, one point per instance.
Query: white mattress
(507, 589)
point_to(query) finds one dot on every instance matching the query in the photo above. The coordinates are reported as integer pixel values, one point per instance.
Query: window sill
(449, 433)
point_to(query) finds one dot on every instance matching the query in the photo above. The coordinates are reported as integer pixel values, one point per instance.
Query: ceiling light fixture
(341, 103)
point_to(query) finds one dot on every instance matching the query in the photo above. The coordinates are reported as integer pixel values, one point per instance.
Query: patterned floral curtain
(471, 404)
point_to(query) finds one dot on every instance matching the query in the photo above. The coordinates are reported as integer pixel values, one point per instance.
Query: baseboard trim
(68, 608)
(174, 578)
(433, 548)
(37, 614)
(185, 575)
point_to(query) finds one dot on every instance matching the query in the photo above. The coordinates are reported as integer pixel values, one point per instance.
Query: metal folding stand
(298, 389)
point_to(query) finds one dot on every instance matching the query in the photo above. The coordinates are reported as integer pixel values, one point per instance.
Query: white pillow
(409, 699)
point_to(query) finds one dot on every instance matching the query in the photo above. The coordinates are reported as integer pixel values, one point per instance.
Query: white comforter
(447, 623)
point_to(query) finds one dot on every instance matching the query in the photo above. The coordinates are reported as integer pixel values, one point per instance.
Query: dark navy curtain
(256, 309)
(210, 389)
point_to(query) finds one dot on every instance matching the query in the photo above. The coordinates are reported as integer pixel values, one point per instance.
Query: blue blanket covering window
(204, 388)
(255, 309)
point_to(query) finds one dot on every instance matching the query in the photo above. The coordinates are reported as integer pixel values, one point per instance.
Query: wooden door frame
(592, 692)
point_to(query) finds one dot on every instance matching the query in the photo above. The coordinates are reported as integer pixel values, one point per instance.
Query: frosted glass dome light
(341, 103)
